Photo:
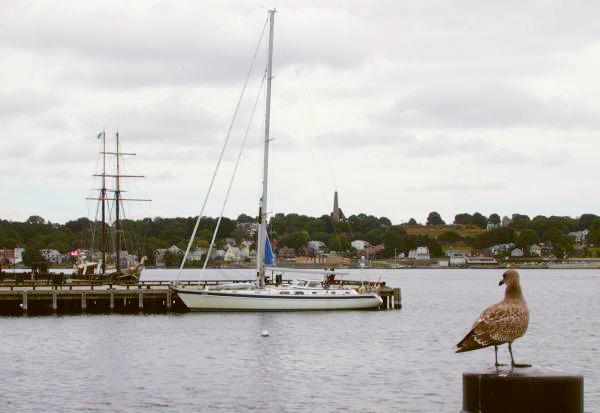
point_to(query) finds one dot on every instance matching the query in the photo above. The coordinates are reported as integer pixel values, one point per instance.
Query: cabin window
(314, 292)
(299, 292)
(284, 292)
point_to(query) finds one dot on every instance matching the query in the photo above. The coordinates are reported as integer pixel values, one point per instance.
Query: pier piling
(397, 299)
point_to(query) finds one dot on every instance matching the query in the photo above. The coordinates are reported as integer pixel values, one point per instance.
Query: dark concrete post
(54, 301)
(25, 301)
(520, 390)
(397, 299)
(141, 300)
(83, 302)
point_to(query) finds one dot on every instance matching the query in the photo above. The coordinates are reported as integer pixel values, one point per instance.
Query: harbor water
(363, 361)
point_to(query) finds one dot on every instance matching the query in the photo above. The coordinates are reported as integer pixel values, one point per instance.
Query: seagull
(500, 323)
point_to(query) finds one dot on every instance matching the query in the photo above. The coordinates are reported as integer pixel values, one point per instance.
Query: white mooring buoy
(264, 333)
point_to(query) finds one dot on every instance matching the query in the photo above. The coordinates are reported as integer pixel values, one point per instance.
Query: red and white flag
(75, 253)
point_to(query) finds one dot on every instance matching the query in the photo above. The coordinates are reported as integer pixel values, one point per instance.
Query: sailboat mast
(103, 197)
(262, 233)
(117, 202)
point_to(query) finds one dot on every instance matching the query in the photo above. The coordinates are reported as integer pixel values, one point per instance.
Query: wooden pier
(52, 296)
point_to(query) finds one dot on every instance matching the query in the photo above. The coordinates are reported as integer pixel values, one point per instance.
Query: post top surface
(526, 373)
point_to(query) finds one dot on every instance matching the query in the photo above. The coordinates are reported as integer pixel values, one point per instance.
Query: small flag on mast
(100, 135)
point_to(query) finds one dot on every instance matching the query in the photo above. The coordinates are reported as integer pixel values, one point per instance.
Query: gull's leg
(496, 353)
(512, 360)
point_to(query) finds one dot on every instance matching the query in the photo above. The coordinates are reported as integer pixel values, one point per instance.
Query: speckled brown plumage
(501, 323)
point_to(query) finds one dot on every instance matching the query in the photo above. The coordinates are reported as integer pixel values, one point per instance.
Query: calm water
(398, 360)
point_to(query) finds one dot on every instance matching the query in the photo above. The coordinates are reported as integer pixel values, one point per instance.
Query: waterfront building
(360, 244)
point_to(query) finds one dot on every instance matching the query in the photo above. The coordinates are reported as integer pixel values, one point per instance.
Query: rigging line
(293, 72)
(310, 112)
(232, 178)
(187, 251)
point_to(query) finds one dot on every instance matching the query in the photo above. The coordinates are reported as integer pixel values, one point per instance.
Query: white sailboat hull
(272, 300)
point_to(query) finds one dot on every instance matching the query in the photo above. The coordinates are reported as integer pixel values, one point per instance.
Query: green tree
(494, 219)
(412, 221)
(587, 220)
(172, 259)
(375, 236)
(479, 220)
(463, 219)
(338, 243)
(563, 247)
(520, 221)
(243, 218)
(395, 239)
(594, 237)
(32, 255)
(294, 240)
(35, 220)
(526, 238)
(435, 219)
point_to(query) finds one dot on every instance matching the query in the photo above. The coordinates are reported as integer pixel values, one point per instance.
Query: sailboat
(121, 268)
(301, 294)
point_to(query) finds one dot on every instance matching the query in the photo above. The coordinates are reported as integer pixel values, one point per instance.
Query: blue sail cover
(268, 252)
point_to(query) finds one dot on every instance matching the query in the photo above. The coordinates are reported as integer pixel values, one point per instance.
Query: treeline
(294, 231)
(524, 231)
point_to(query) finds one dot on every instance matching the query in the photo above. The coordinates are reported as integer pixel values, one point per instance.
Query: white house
(360, 244)
(421, 253)
(232, 254)
(500, 249)
(12, 256)
(491, 227)
(18, 255)
(457, 260)
(159, 254)
(53, 256)
(580, 236)
(196, 254)
(517, 252)
(317, 246)
(535, 250)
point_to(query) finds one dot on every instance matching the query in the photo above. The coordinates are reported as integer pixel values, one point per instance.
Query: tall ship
(107, 257)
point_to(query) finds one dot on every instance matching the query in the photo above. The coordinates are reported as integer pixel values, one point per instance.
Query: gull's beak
(501, 282)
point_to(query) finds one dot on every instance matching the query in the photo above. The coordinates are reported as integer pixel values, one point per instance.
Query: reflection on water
(397, 360)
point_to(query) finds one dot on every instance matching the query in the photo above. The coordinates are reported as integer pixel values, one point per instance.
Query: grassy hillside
(436, 230)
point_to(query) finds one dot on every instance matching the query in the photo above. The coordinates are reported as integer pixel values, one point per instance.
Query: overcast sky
(403, 107)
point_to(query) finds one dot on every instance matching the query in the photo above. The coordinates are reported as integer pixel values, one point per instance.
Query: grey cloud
(12, 172)
(485, 106)
(459, 187)
(25, 102)
(171, 121)
(443, 146)
(367, 137)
